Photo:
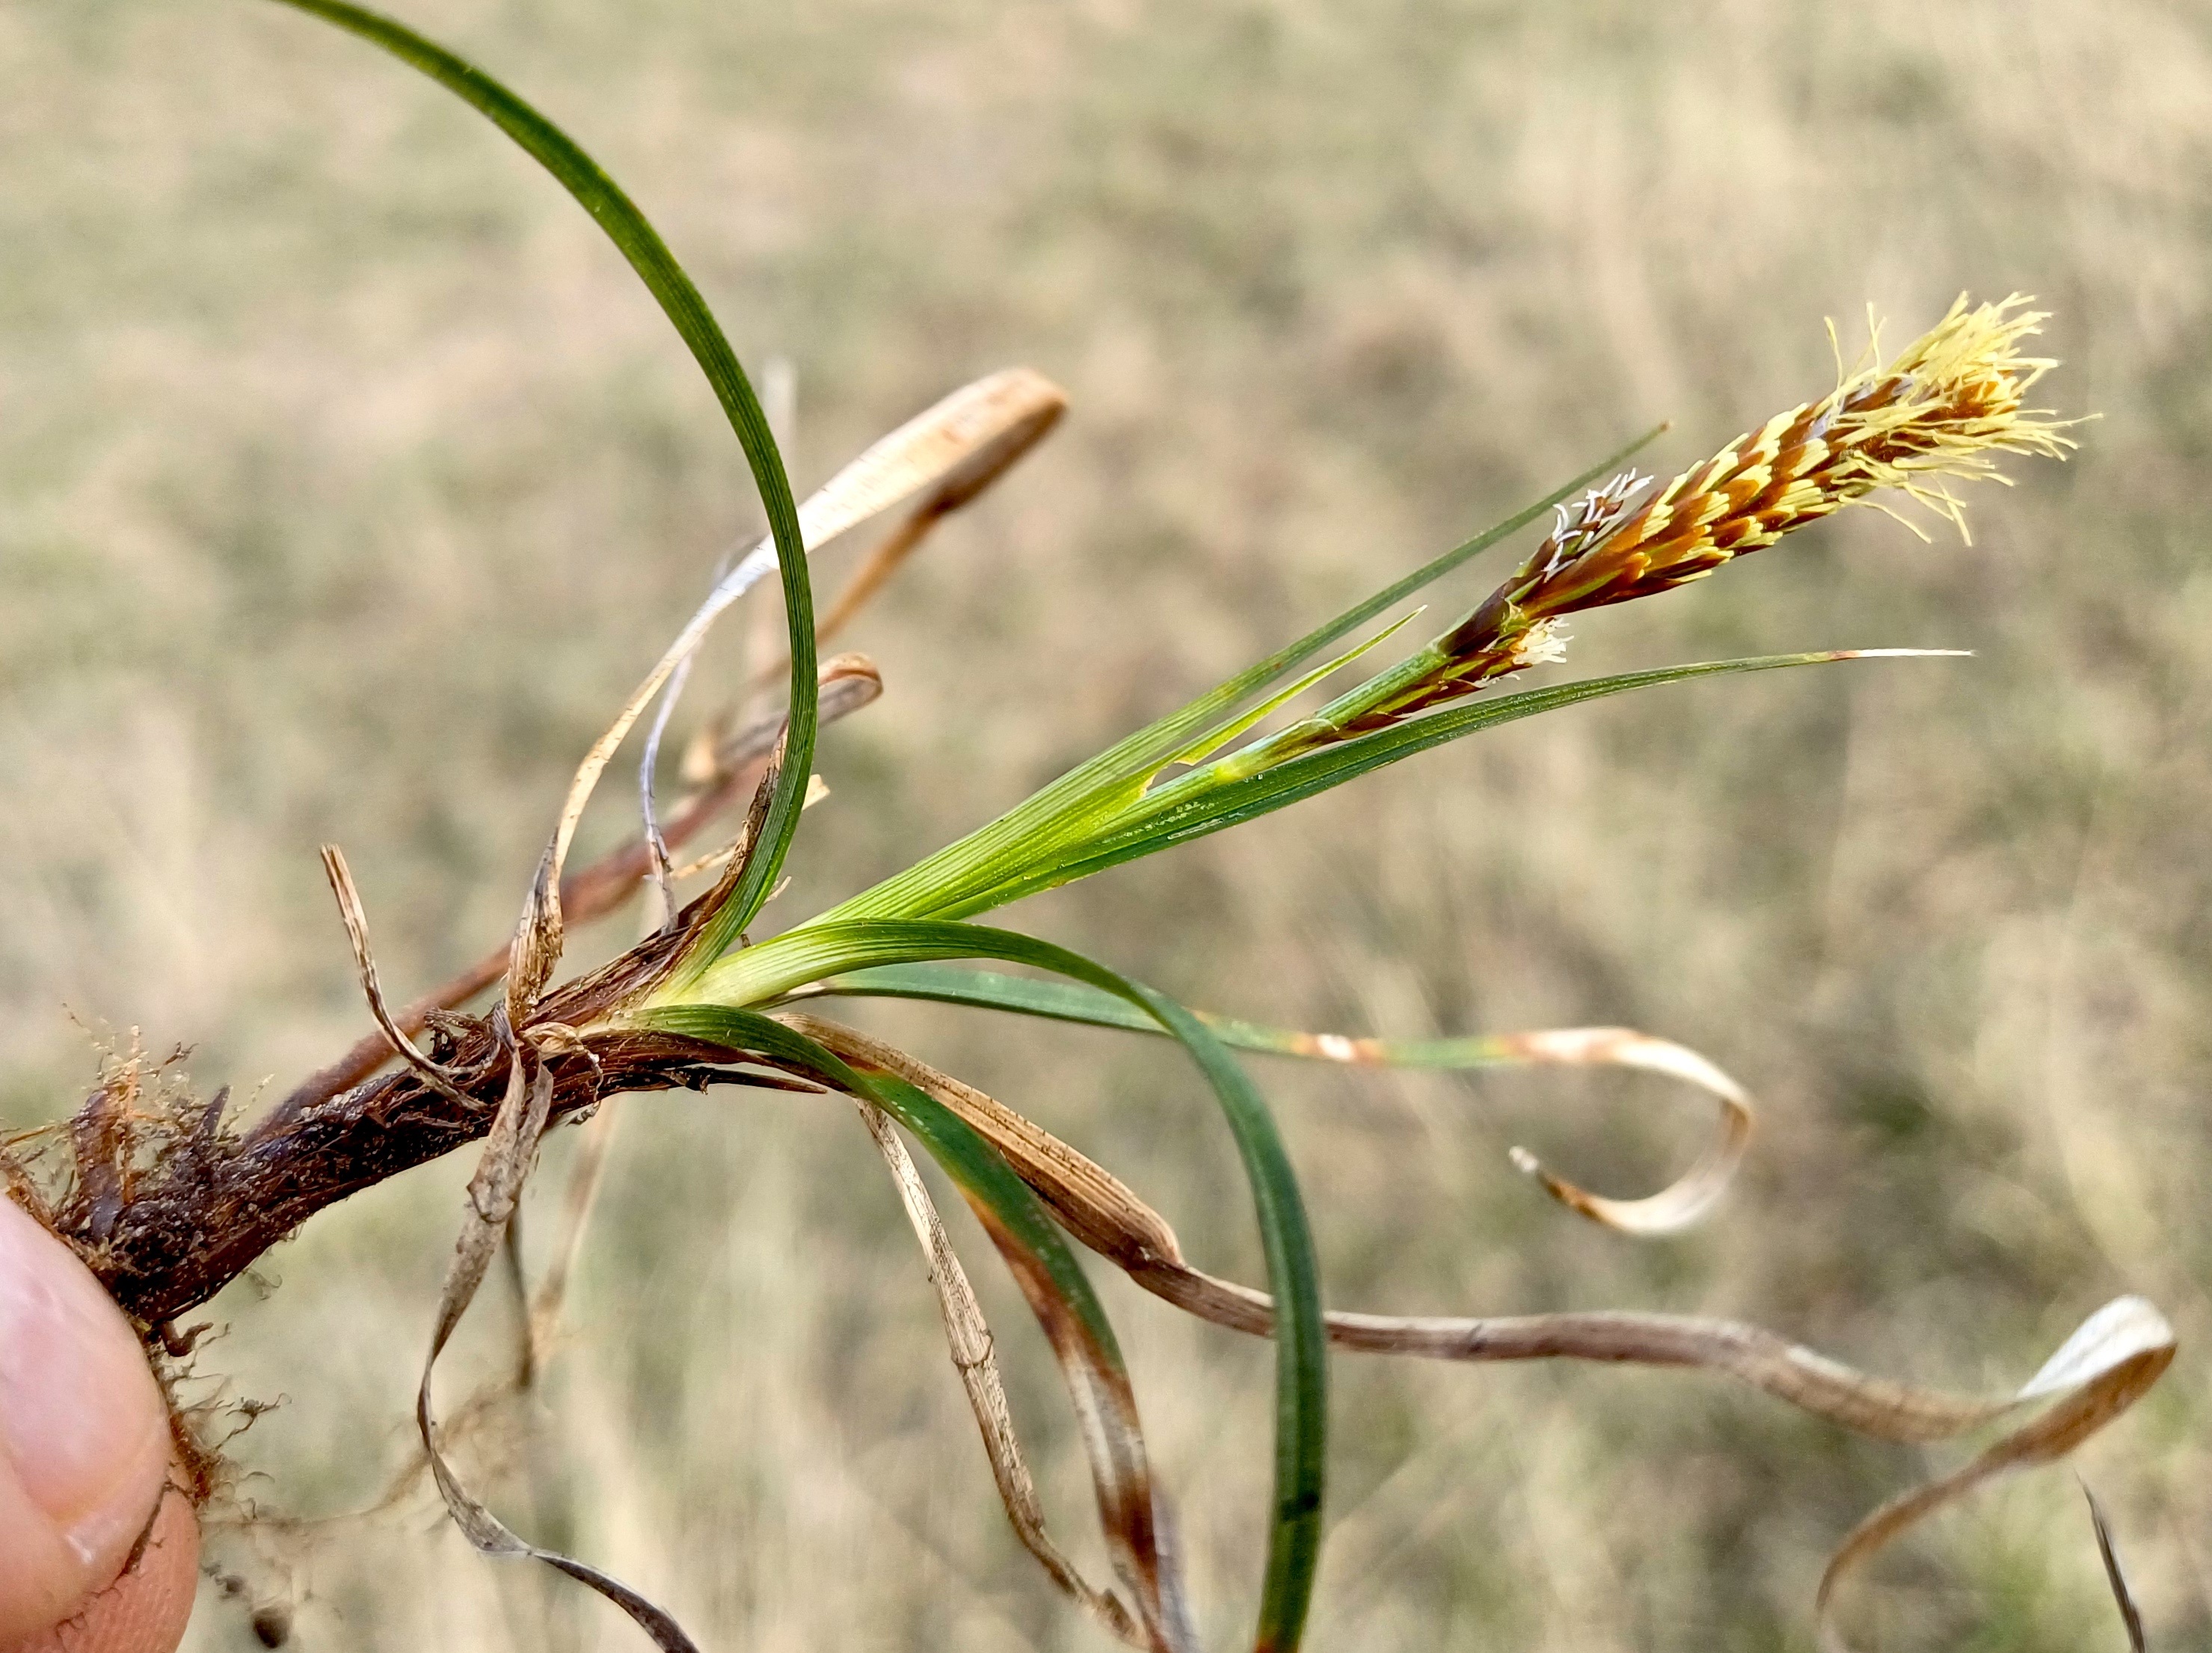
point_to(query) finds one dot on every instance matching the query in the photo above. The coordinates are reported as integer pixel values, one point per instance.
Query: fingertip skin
(85, 1452)
(145, 1610)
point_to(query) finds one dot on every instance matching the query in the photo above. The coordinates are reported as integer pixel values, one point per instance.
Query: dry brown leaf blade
(993, 423)
(936, 448)
(1102, 1212)
(1131, 1511)
(2111, 1359)
(535, 950)
(1088, 1200)
(501, 1172)
(845, 682)
(355, 919)
(954, 448)
(967, 1336)
(884, 558)
(2109, 1362)
(1690, 1197)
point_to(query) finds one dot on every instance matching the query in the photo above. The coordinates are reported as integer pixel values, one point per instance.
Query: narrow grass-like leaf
(1196, 805)
(497, 1184)
(680, 299)
(937, 885)
(2116, 1575)
(2116, 1355)
(1679, 1206)
(2109, 1362)
(1045, 1270)
(759, 974)
(967, 1337)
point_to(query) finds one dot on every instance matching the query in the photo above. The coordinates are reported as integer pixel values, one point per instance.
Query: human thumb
(95, 1556)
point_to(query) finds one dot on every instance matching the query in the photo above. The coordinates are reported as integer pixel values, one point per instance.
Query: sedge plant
(169, 1203)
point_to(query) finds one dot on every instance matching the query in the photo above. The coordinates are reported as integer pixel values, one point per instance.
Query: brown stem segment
(171, 1214)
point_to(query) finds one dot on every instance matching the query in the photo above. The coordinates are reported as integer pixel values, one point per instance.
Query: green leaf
(950, 1141)
(1198, 804)
(1672, 1209)
(648, 255)
(1215, 738)
(945, 883)
(1044, 1266)
(1070, 1001)
(798, 957)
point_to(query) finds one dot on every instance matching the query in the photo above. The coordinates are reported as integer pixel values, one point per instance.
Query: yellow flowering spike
(1945, 407)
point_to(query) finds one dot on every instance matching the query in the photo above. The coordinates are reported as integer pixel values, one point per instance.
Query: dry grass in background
(347, 481)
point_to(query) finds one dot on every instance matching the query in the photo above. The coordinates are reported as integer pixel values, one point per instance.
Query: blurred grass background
(347, 480)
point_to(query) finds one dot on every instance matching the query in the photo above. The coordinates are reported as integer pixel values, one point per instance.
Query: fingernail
(82, 1419)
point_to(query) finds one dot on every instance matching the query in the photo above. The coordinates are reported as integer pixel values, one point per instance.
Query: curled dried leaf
(501, 1171)
(976, 435)
(357, 928)
(1674, 1208)
(948, 446)
(1683, 1202)
(2101, 1370)
(2105, 1368)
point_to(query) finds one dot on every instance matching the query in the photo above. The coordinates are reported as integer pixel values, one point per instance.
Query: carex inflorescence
(1944, 407)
